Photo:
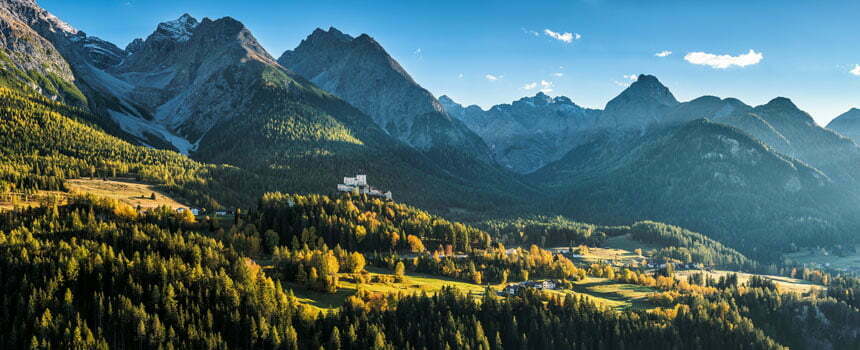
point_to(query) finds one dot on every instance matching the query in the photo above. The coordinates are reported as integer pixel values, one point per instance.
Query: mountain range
(337, 105)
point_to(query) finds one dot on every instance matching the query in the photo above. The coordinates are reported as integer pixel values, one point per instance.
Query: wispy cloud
(724, 61)
(628, 79)
(546, 86)
(460, 76)
(418, 53)
(567, 37)
(530, 32)
(856, 70)
(558, 74)
(664, 53)
(491, 77)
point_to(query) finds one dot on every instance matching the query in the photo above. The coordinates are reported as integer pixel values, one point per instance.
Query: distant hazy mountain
(753, 167)
(847, 124)
(528, 133)
(791, 131)
(645, 102)
(361, 72)
(702, 175)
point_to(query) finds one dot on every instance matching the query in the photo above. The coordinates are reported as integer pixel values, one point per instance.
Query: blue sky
(801, 49)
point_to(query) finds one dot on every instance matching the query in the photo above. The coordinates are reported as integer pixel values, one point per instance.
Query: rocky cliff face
(529, 133)
(361, 72)
(847, 124)
(188, 76)
(29, 57)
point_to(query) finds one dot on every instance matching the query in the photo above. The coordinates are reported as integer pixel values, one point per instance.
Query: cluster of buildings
(199, 211)
(358, 184)
(194, 211)
(516, 288)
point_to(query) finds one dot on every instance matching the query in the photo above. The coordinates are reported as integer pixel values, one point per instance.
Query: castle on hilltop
(358, 184)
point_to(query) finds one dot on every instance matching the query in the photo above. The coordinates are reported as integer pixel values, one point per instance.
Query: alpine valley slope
(208, 89)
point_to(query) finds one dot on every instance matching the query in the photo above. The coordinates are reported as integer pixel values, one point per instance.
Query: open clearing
(414, 283)
(612, 294)
(618, 249)
(125, 190)
(783, 283)
(817, 258)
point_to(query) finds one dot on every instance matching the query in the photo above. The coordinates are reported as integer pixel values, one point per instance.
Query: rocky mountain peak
(332, 33)
(782, 110)
(360, 71)
(134, 46)
(542, 99)
(179, 29)
(648, 86)
(643, 103)
(782, 103)
(101, 53)
(444, 99)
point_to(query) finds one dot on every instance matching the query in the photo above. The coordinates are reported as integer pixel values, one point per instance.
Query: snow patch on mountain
(179, 29)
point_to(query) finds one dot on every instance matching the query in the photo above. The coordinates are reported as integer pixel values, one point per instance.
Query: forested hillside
(44, 142)
(97, 274)
(362, 223)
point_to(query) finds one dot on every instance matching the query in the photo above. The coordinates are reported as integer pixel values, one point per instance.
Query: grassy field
(125, 190)
(817, 258)
(612, 294)
(619, 249)
(786, 284)
(414, 283)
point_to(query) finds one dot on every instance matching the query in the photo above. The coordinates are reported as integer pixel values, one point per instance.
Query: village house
(194, 211)
(516, 288)
(358, 184)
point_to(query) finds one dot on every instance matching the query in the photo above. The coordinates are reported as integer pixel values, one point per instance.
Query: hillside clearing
(414, 283)
(612, 294)
(823, 259)
(783, 283)
(125, 190)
